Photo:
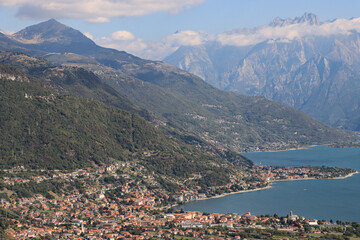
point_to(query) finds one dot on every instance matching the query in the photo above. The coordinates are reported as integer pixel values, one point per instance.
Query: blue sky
(153, 20)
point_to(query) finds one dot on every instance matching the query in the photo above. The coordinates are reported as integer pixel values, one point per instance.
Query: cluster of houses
(132, 210)
(77, 218)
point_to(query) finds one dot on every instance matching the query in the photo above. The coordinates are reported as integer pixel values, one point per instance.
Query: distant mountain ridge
(309, 18)
(179, 100)
(311, 66)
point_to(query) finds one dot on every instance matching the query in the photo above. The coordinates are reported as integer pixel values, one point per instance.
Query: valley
(97, 143)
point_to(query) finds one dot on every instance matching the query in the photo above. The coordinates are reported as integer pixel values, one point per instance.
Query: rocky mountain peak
(49, 31)
(309, 18)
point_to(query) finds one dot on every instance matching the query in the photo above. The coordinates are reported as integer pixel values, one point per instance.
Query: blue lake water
(336, 199)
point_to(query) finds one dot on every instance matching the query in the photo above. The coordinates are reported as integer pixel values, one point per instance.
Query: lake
(336, 199)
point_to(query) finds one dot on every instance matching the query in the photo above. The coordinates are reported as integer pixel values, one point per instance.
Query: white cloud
(126, 41)
(123, 41)
(189, 38)
(122, 36)
(95, 10)
(288, 32)
(88, 35)
(98, 20)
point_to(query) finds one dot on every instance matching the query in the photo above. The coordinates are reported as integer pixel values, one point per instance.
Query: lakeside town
(124, 201)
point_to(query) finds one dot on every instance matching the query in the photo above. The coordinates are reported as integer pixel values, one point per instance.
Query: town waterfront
(331, 199)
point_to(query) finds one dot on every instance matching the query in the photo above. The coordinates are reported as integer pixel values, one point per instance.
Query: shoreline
(313, 178)
(268, 187)
(232, 193)
(224, 195)
(286, 149)
(302, 148)
(296, 148)
(347, 176)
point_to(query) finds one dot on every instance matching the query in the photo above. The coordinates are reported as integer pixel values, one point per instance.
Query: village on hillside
(122, 201)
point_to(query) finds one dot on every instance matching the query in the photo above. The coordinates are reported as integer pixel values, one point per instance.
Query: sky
(147, 27)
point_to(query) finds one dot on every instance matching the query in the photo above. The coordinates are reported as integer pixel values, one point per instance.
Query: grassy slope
(71, 80)
(223, 118)
(68, 132)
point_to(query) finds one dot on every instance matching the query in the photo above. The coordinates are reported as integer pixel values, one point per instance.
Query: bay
(331, 199)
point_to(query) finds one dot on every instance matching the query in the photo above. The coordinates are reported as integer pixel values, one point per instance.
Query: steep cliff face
(317, 74)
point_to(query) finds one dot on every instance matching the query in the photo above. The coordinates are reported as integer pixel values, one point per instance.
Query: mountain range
(180, 103)
(310, 65)
(44, 129)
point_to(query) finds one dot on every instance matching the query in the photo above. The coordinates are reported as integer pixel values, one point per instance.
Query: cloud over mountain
(280, 30)
(301, 62)
(95, 10)
(288, 32)
(124, 40)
